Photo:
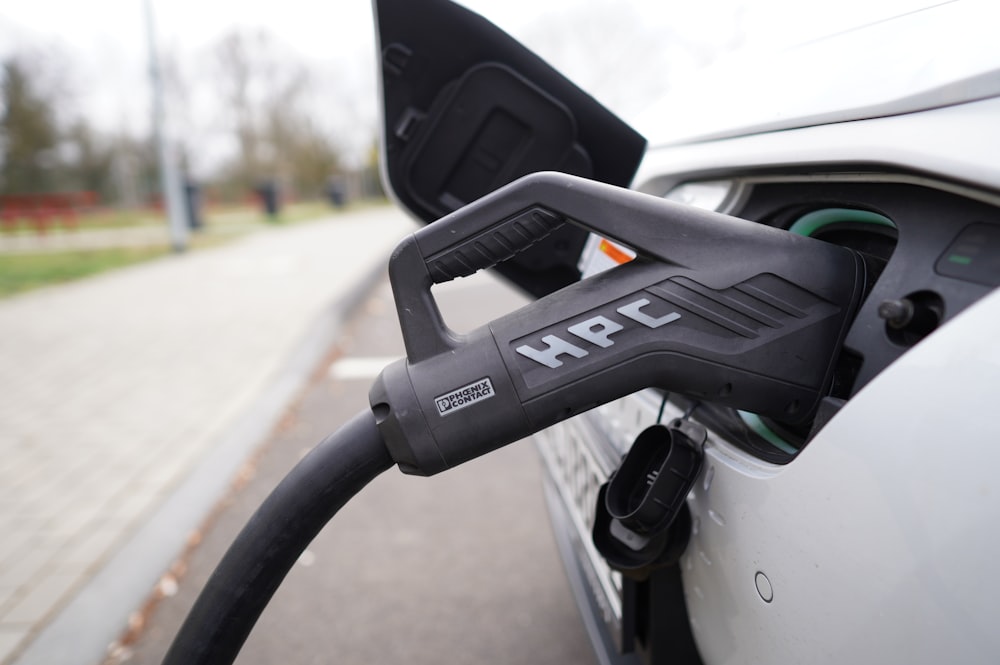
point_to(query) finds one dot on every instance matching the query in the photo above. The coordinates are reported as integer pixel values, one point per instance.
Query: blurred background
(268, 105)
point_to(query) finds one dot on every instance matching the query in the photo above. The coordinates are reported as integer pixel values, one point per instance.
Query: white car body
(875, 543)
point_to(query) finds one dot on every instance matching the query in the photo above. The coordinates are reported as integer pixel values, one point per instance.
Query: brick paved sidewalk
(115, 390)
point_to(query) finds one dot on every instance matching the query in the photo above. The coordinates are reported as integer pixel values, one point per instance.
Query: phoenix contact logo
(464, 396)
(596, 331)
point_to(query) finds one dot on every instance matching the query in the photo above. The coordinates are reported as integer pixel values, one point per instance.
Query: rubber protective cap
(648, 489)
(642, 521)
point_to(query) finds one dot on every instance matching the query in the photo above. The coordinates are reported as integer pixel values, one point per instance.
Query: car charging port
(874, 237)
(642, 522)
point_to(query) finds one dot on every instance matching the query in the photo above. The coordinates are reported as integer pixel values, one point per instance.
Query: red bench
(42, 210)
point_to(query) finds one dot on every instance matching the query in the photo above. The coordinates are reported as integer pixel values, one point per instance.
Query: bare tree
(264, 88)
(235, 72)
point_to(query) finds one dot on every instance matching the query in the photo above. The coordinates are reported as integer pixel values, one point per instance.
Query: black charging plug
(713, 307)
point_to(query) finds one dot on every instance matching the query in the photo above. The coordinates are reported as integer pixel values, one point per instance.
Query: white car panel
(879, 539)
(931, 57)
(960, 143)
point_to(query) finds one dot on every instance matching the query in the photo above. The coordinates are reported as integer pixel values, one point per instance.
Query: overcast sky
(104, 42)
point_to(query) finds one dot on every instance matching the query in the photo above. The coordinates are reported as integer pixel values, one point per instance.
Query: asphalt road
(457, 568)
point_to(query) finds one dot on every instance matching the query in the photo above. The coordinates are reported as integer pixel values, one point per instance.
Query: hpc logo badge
(465, 396)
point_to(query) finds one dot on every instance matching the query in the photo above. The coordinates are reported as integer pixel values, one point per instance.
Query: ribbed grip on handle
(497, 243)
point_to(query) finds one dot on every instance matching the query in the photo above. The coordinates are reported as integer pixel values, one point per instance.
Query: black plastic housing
(467, 109)
(641, 520)
(713, 307)
(647, 491)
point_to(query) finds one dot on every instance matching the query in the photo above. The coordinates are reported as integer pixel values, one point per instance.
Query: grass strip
(21, 272)
(25, 271)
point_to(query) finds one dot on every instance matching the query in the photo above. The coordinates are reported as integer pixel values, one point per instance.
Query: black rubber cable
(267, 547)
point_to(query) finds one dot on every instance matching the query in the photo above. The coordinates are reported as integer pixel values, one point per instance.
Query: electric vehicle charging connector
(713, 307)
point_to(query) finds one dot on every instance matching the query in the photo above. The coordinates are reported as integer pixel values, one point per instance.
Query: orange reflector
(616, 254)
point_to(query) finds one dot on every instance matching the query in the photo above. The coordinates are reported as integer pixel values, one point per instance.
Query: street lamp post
(170, 181)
